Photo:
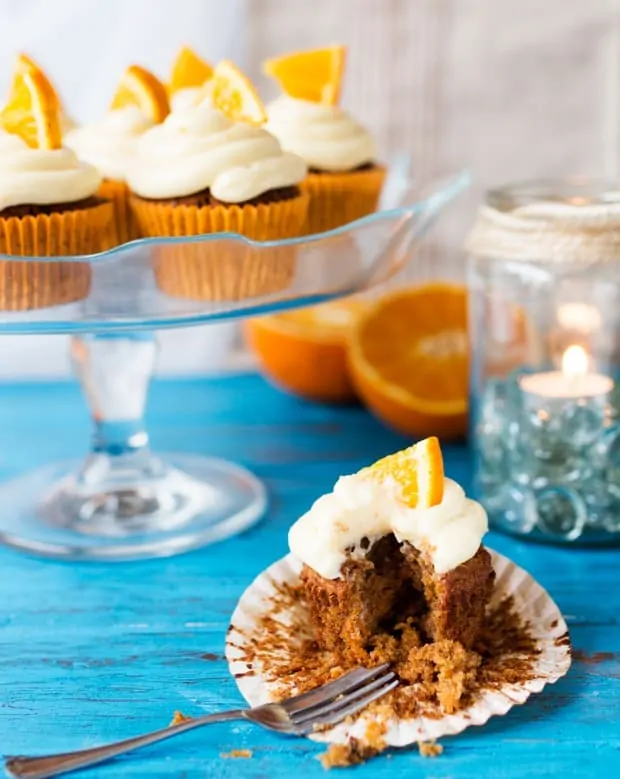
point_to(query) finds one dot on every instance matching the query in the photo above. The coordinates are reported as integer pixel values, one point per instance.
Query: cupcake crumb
(430, 748)
(236, 754)
(353, 752)
(178, 717)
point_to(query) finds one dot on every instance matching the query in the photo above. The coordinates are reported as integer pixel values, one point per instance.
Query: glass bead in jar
(544, 280)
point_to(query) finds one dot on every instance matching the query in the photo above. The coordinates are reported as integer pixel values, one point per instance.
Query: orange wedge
(409, 359)
(418, 472)
(305, 351)
(23, 63)
(235, 95)
(139, 87)
(189, 70)
(310, 75)
(32, 110)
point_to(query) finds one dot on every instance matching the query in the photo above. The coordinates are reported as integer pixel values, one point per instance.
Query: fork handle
(52, 765)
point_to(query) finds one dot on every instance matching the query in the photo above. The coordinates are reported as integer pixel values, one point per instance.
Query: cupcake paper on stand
(48, 202)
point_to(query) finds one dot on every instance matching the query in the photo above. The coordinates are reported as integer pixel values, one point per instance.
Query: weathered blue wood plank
(93, 652)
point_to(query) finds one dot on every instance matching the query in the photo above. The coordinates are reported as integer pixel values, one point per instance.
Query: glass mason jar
(544, 278)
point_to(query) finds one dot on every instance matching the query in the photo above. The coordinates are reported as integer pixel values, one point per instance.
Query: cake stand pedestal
(124, 501)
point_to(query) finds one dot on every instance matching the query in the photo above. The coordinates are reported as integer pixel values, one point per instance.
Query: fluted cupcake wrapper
(533, 604)
(229, 270)
(125, 227)
(339, 198)
(27, 284)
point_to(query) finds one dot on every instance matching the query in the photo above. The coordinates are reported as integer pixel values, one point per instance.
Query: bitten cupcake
(110, 144)
(48, 203)
(202, 171)
(189, 80)
(344, 180)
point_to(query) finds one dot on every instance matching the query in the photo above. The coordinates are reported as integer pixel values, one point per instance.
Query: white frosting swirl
(110, 144)
(198, 148)
(42, 176)
(188, 97)
(326, 137)
(450, 533)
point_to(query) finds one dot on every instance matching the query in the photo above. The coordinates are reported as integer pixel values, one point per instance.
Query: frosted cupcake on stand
(48, 200)
(211, 168)
(110, 144)
(344, 180)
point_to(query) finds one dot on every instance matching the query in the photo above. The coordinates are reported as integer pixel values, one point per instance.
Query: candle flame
(575, 361)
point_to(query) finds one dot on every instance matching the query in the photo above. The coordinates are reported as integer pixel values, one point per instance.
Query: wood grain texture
(90, 653)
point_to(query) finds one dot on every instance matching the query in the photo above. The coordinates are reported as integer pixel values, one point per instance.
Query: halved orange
(32, 110)
(310, 75)
(139, 87)
(235, 95)
(305, 351)
(189, 70)
(418, 472)
(409, 360)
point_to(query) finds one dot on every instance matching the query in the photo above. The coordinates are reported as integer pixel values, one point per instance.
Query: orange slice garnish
(32, 110)
(409, 360)
(235, 95)
(23, 63)
(417, 473)
(310, 75)
(305, 351)
(189, 70)
(139, 87)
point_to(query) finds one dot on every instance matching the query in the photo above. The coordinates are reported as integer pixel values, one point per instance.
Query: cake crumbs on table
(354, 752)
(430, 748)
(238, 754)
(436, 678)
(178, 717)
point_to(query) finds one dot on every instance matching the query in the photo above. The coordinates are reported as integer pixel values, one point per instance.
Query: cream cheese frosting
(198, 148)
(188, 97)
(326, 137)
(450, 533)
(42, 176)
(110, 144)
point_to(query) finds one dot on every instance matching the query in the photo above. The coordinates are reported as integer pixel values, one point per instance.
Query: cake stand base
(104, 511)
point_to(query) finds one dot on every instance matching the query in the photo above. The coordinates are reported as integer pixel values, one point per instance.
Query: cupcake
(48, 202)
(378, 555)
(189, 80)
(110, 143)
(202, 171)
(344, 180)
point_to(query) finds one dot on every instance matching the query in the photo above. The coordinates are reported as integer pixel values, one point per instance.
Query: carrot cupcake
(394, 548)
(48, 202)
(344, 180)
(110, 144)
(204, 172)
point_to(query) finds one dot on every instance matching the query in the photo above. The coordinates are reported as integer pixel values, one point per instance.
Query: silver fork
(298, 716)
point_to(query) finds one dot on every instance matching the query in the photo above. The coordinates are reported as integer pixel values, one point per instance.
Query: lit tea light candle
(575, 380)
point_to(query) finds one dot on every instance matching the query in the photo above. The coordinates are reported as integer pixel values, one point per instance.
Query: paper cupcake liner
(231, 270)
(339, 198)
(26, 284)
(533, 604)
(125, 227)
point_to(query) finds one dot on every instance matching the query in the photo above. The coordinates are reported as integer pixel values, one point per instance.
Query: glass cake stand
(124, 501)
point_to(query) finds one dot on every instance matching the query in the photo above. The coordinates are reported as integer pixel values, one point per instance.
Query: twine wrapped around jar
(557, 232)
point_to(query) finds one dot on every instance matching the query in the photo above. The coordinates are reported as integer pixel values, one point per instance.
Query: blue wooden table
(90, 653)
